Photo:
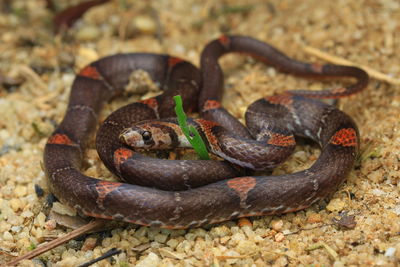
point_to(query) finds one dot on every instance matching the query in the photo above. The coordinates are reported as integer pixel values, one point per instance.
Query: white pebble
(7, 236)
(27, 214)
(151, 260)
(144, 24)
(16, 229)
(88, 33)
(40, 219)
(20, 191)
(390, 252)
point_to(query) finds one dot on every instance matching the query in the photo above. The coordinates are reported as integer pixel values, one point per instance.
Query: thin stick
(56, 242)
(337, 60)
(106, 255)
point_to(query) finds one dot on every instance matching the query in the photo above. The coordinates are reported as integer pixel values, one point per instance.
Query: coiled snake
(223, 194)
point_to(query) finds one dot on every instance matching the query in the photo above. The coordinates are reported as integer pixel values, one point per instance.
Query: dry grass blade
(337, 60)
(56, 242)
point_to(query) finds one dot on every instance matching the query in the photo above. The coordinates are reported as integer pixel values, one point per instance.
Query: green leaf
(32, 246)
(190, 132)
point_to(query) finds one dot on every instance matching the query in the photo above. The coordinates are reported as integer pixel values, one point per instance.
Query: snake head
(137, 137)
(150, 135)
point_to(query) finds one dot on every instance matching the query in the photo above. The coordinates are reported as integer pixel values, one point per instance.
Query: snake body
(228, 195)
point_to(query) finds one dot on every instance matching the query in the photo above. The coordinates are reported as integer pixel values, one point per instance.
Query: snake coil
(224, 194)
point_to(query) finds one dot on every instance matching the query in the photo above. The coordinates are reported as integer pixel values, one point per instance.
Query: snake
(229, 191)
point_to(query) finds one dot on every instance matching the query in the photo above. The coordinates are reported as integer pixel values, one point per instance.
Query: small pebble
(172, 243)
(141, 248)
(16, 229)
(7, 191)
(390, 252)
(16, 204)
(220, 231)
(190, 236)
(238, 237)
(377, 176)
(336, 205)
(150, 260)
(89, 244)
(152, 232)
(27, 214)
(184, 246)
(14, 219)
(50, 224)
(38, 233)
(271, 72)
(338, 264)
(134, 242)
(301, 156)
(247, 247)
(166, 231)
(7, 236)
(160, 238)
(69, 261)
(235, 257)
(125, 244)
(314, 218)
(141, 232)
(279, 237)
(281, 261)
(224, 239)
(40, 220)
(88, 33)
(20, 191)
(249, 232)
(171, 254)
(199, 232)
(277, 225)
(245, 222)
(106, 242)
(115, 238)
(258, 238)
(144, 24)
(23, 242)
(177, 232)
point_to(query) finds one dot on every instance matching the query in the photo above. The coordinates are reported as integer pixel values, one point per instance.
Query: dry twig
(95, 224)
(337, 60)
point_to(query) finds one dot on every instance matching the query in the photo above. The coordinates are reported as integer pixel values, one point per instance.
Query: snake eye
(146, 135)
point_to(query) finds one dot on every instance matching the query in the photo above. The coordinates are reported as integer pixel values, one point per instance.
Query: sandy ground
(44, 65)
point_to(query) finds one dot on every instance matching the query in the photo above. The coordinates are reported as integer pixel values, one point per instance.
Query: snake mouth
(132, 138)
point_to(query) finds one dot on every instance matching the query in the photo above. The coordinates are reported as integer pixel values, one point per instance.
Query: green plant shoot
(190, 132)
